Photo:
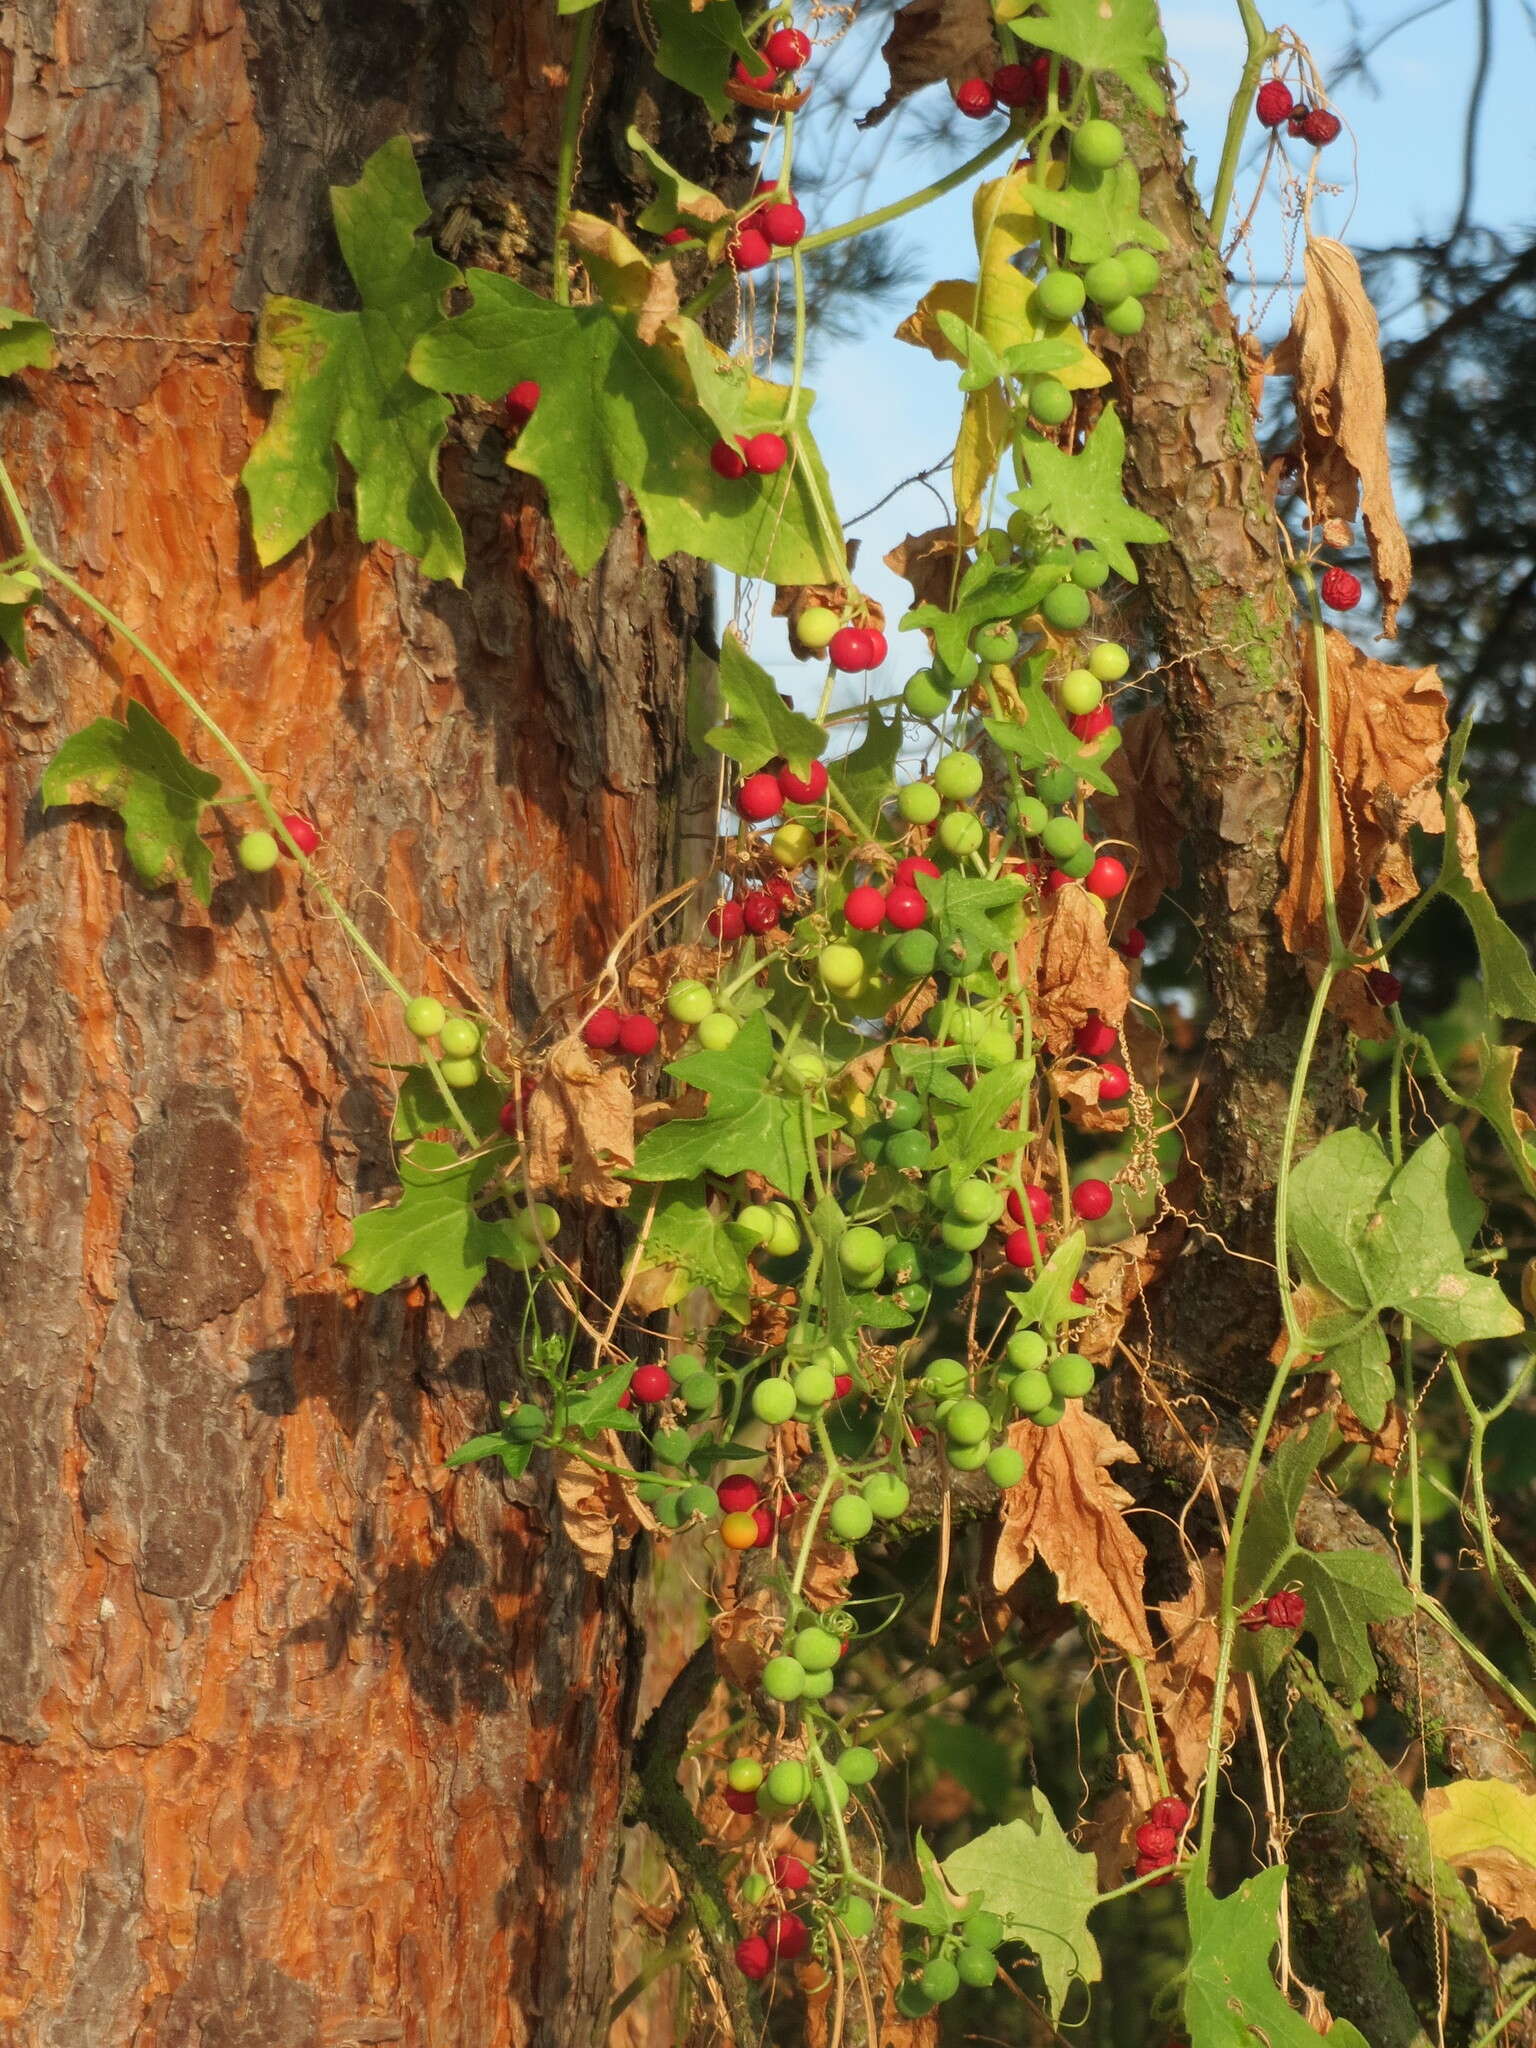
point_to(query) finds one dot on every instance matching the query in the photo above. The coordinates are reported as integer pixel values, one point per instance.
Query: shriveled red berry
(905, 908)
(1095, 1038)
(1039, 1203)
(1013, 85)
(1385, 987)
(737, 1494)
(727, 461)
(1321, 127)
(761, 912)
(1170, 1813)
(301, 832)
(1017, 1249)
(638, 1036)
(1287, 1610)
(1092, 1199)
(601, 1030)
(842, 1385)
(1340, 589)
(788, 1937)
(1088, 725)
(766, 453)
(1114, 1082)
(1274, 102)
(1296, 120)
(910, 866)
(787, 49)
(750, 248)
(761, 796)
(754, 1958)
(975, 98)
(851, 650)
(790, 1874)
(1157, 1843)
(726, 922)
(518, 405)
(865, 908)
(781, 889)
(809, 788)
(760, 81)
(1106, 878)
(650, 1383)
(1256, 1617)
(783, 223)
(1134, 944)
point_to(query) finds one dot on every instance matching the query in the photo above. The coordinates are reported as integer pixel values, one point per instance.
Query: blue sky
(885, 410)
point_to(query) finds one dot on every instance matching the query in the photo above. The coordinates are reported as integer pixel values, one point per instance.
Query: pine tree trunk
(305, 1740)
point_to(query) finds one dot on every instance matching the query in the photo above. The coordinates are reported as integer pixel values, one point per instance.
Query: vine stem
(1263, 44)
(570, 136)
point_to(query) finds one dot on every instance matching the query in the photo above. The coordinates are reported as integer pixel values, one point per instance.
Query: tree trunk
(306, 1740)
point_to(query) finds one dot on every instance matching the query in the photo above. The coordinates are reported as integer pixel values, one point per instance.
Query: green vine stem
(1263, 44)
(570, 140)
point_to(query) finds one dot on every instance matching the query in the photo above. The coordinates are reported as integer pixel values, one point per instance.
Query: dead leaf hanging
(934, 39)
(584, 1113)
(1145, 812)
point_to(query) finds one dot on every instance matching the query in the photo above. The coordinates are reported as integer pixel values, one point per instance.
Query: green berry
(1081, 692)
(1142, 270)
(924, 697)
(784, 1239)
(996, 643)
(940, 1979)
(901, 1108)
(976, 1967)
(754, 1888)
(857, 1766)
(690, 1002)
(958, 777)
(817, 1685)
(672, 1446)
(814, 1386)
(699, 1391)
(783, 1680)
(912, 2001)
(908, 1151)
(1066, 608)
(967, 1457)
(1057, 785)
(526, 1424)
(1126, 316)
(1079, 863)
(851, 1518)
(967, 1422)
(960, 833)
(887, 1496)
(460, 1038)
(817, 1648)
(1050, 401)
(982, 1929)
(1071, 1376)
(257, 852)
(754, 1224)
(669, 1509)
(788, 1784)
(946, 1378)
(773, 1401)
(697, 1500)
(946, 1268)
(1050, 1415)
(857, 1916)
(841, 968)
(996, 1047)
(1090, 571)
(1027, 1350)
(1109, 661)
(459, 1073)
(744, 1774)
(1106, 282)
(1030, 1391)
(911, 955)
(815, 626)
(1062, 836)
(963, 1237)
(716, 1032)
(540, 1219)
(425, 1017)
(976, 1201)
(1005, 1465)
(1059, 295)
(919, 803)
(861, 1251)
(1098, 145)
(1029, 815)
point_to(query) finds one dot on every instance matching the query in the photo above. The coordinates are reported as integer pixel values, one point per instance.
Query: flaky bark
(305, 1739)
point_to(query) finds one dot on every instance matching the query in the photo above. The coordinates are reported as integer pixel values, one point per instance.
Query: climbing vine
(894, 1127)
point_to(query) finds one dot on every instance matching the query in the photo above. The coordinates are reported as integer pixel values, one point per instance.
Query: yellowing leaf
(1488, 1828)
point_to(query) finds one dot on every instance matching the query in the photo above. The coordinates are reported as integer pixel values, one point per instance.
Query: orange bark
(305, 1739)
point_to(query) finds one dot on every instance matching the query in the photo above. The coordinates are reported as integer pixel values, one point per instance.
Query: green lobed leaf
(1029, 1874)
(25, 342)
(972, 1136)
(139, 770)
(420, 1110)
(1101, 212)
(863, 779)
(1082, 496)
(342, 384)
(1047, 1302)
(1346, 1591)
(933, 1912)
(1508, 982)
(590, 1409)
(987, 593)
(762, 726)
(18, 590)
(434, 1232)
(1121, 37)
(1042, 738)
(1494, 1095)
(686, 1234)
(1231, 1999)
(979, 908)
(697, 46)
(1270, 1535)
(678, 198)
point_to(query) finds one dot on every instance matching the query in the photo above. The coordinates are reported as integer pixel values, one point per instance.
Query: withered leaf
(1388, 731)
(928, 561)
(1182, 1678)
(581, 1116)
(1334, 353)
(934, 39)
(598, 1511)
(1145, 813)
(1077, 1090)
(1069, 1513)
(1079, 973)
(744, 1637)
(1488, 1829)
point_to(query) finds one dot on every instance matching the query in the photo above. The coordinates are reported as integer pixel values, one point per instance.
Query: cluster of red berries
(763, 454)
(787, 49)
(610, 1030)
(779, 224)
(1280, 1610)
(758, 911)
(901, 907)
(1091, 1199)
(853, 649)
(1011, 85)
(1340, 589)
(764, 795)
(1157, 1839)
(749, 1524)
(784, 1939)
(1276, 104)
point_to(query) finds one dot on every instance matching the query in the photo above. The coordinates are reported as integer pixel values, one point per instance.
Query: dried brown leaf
(1182, 1678)
(598, 1510)
(929, 562)
(1145, 812)
(581, 1116)
(1388, 732)
(1069, 1513)
(1077, 1090)
(1079, 973)
(1334, 353)
(934, 39)
(745, 1637)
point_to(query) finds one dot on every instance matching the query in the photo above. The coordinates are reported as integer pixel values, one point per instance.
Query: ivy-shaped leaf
(1041, 738)
(18, 590)
(139, 770)
(25, 342)
(1121, 37)
(687, 1236)
(590, 1409)
(420, 1110)
(342, 383)
(434, 1232)
(1042, 1889)
(762, 725)
(862, 780)
(1101, 212)
(1047, 1302)
(1081, 495)
(987, 593)
(699, 41)
(971, 1136)
(934, 1912)
(678, 199)
(616, 409)
(1231, 1999)
(979, 910)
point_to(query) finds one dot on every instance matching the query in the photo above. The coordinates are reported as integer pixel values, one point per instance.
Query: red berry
(1340, 589)
(1087, 725)
(1013, 85)
(1039, 1203)
(519, 403)
(750, 248)
(761, 81)
(754, 1958)
(905, 908)
(737, 1494)
(788, 1502)
(1077, 1292)
(1295, 123)
(601, 1030)
(879, 647)
(766, 453)
(1170, 1813)
(865, 908)
(1157, 1843)
(1274, 102)
(1114, 1082)
(1095, 1038)
(678, 234)
(787, 49)
(301, 832)
(851, 649)
(842, 1385)
(760, 797)
(650, 1383)
(790, 1874)
(1134, 944)
(1256, 1617)
(788, 1937)
(727, 461)
(1385, 988)
(508, 1116)
(1055, 880)
(1321, 127)
(1106, 878)
(638, 1036)
(766, 1522)
(781, 889)
(1017, 1249)
(807, 789)
(975, 98)
(744, 1802)
(910, 866)
(726, 922)
(1092, 1199)
(761, 912)
(783, 223)
(1287, 1610)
